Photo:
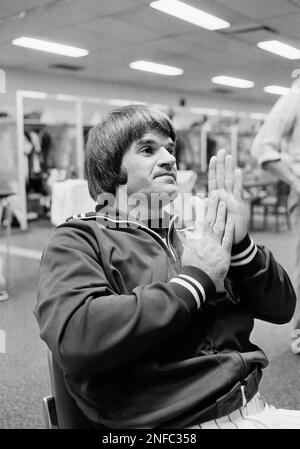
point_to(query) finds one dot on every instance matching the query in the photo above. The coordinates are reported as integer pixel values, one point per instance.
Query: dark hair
(111, 138)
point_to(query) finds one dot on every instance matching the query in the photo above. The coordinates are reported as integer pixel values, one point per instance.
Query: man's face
(151, 165)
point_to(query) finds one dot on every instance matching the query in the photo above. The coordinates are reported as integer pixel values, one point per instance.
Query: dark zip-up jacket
(144, 342)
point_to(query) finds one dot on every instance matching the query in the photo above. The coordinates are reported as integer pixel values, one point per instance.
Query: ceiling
(117, 32)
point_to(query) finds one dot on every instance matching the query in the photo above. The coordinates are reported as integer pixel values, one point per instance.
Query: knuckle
(209, 222)
(218, 229)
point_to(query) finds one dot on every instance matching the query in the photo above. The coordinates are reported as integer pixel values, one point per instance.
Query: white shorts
(256, 414)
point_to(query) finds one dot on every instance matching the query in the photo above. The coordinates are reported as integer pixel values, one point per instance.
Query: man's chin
(164, 196)
(171, 192)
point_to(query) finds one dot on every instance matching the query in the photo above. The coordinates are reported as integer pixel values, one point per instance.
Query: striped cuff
(243, 253)
(193, 285)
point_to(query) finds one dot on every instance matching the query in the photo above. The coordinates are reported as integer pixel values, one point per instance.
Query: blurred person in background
(276, 147)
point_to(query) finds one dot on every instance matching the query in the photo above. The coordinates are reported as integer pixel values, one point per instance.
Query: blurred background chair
(271, 204)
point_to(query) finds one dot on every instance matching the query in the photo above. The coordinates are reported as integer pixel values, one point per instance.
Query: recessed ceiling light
(190, 14)
(277, 90)
(280, 49)
(153, 67)
(233, 82)
(50, 47)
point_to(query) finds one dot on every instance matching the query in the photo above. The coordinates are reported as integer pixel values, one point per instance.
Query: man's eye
(147, 150)
(171, 150)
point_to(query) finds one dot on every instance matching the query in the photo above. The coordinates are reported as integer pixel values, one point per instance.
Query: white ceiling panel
(72, 36)
(260, 9)
(290, 26)
(211, 41)
(11, 7)
(219, 8)
(152, 20)
(115, 29)
(117, 32)
(252, 37)
(73, 12)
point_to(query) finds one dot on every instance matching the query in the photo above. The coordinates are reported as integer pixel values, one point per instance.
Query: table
(4, 294)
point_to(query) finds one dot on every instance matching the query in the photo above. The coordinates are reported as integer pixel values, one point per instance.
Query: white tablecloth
(68, 198)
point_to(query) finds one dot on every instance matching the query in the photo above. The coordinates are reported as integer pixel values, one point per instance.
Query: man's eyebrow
(146, 141)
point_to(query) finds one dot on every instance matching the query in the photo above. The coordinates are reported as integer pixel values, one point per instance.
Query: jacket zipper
(165, 245)
(169, 240)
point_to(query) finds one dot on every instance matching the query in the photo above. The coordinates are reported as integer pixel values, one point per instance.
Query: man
(151, 333)
(277, 149)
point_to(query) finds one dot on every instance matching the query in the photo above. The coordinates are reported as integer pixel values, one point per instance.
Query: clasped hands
(221, 220)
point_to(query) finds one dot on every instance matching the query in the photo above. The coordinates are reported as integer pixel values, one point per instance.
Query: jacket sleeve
(280, 121)
(261, 283)
(90, 327)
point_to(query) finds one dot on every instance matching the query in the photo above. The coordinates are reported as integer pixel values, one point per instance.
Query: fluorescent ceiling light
(50, 47)
(281, 49)
(190, 14)
(153, 67)
(232, 82)
(277, 90)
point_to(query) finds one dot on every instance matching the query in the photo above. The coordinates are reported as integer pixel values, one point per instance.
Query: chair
(275, 205)
(60, 409)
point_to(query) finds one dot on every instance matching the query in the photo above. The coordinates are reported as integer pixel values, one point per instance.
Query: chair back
(69, 415)
(283, 191)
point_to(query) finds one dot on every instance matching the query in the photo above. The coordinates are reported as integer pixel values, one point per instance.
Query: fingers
(198, 206)
(228, 235)
(212, 181)
(238, 184)
(229, 173)
(216, 221)
(220, 175)
(211, 211)
(221, 172)
(219, 226)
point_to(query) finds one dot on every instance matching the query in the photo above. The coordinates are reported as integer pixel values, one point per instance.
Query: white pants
(294, 207)
(256, 414)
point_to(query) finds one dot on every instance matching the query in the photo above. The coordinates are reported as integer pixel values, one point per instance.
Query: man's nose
(166, 158)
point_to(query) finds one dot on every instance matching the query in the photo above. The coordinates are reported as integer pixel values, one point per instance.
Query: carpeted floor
(23, 368)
